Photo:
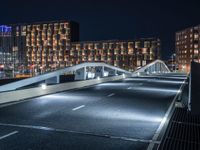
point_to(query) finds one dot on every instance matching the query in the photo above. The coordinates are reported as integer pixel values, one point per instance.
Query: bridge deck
(115, 115)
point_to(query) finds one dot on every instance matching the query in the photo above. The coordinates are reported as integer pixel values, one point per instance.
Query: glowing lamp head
(123, 75)
(179, 91)
(43, 86)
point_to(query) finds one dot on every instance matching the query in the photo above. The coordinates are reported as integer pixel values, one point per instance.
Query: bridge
(122, 110)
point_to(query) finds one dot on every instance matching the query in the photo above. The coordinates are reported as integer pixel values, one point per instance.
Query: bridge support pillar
(115, 72)
(84, 73)
(102, 71)
(58, 79)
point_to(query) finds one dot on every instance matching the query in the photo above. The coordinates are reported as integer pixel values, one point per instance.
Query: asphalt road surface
(118, 115)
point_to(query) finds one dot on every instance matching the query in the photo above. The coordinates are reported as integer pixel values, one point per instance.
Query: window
(196, 51)
(23, 30)
(196, 36)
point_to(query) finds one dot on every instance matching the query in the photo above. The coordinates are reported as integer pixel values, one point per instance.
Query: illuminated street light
(43, 86)
(179, 91)
(123, 75)
(105, 74)
(183, 68)
(98, 78)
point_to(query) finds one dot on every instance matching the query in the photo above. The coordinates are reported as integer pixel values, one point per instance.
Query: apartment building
(187, 47)
(44, 46)
(126, 54)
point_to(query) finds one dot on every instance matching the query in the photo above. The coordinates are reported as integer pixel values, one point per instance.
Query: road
(118, 115)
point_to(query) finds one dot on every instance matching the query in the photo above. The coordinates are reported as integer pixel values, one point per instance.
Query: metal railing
(43, 77)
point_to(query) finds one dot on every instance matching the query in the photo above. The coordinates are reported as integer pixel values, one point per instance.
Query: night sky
(110, 19)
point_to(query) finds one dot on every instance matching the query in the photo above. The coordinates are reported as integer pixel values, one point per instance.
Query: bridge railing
(157, 66)
(80, 71)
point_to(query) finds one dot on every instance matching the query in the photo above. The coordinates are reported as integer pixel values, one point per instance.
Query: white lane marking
(27, 126)
(135, 140)
(129, 88)
(79, 107)
(9, 134)
(112, 94)
(78, 132)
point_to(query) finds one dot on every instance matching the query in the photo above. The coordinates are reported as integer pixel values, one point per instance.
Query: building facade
(5, 45)
(187, 47)
(126, 54)
(6, 57)
(46, 46)
(43, 46)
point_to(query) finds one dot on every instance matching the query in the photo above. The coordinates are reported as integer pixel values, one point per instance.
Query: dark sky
(111, 19)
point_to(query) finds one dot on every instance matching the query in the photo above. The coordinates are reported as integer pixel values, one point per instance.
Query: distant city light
(98, 78)
(1, 66)
(5, 29)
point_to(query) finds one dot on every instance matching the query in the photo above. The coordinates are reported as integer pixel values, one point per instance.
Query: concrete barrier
(194, 89)
(12, 96)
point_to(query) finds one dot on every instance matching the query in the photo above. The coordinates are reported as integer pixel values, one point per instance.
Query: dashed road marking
(77, 132)
(79, 107)
(9, 134)
(112, 94)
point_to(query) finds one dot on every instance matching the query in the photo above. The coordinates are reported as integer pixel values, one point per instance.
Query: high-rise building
(126, 54)
(44, 46)
(187, 47)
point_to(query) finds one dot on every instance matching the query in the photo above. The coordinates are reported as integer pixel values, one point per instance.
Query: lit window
(195, 46)
(196, 36)
(196, 51)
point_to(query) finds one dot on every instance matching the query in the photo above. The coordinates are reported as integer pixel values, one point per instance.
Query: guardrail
(168, 115)
(43, 77)
(9, 92)
(17, 95)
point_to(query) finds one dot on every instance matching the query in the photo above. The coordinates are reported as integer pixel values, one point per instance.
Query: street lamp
(43, 86)
(183, 68)
(124, 75)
